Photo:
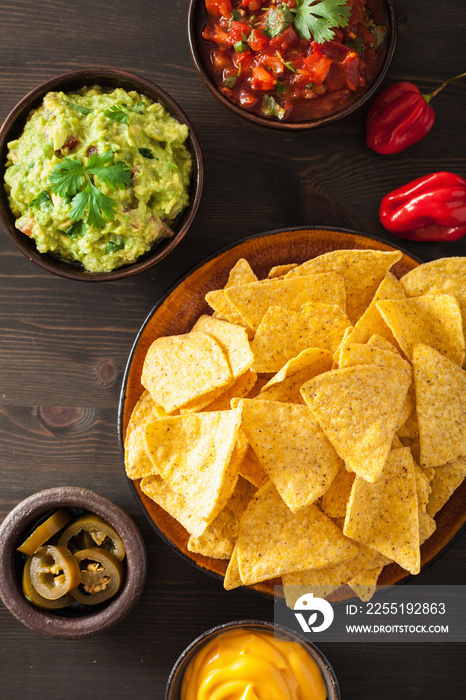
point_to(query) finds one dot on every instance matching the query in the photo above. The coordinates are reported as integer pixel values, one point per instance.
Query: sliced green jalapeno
(101, 576)
(54, 572)
(34, 597)
(44, 532)
(95, 533)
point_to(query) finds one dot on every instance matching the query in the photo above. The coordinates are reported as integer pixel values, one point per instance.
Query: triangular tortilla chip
(377, 341)
(432, 319)
(446, 480)
(232, 576)
(283, 334)
(371, 322)
(358, 409)
(137, 461)
(252, 469)
(286, 384)
(174, 503)
(440, 405)
(232, 339)
(240, 273)
(292, 448)
(219, 538)
(335, 499)
(362, 270)
(192, 454)
(241, 387)
(252, 300)
(280, 270)
(290, 542)
(181, 368)
(364, 584)
(384, 515)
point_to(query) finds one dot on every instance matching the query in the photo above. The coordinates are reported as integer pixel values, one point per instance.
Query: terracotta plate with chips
(177, 313)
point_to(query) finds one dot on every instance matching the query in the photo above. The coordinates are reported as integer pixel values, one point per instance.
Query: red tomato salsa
(260, 61)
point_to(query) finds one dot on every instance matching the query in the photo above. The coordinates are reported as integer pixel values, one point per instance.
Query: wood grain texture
(64, 345)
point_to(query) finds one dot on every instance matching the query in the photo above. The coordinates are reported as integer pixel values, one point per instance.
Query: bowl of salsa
(296, 64)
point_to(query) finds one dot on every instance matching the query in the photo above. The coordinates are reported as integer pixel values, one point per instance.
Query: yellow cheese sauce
(249, 665)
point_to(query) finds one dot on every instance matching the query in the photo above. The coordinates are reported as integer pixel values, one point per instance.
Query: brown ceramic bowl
(106, 78)
(197, 18)
(173, 689)
(177, 312)
(69, 623)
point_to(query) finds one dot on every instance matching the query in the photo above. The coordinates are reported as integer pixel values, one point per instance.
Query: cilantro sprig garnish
(68, 177)
(316, 19)
(120, 112)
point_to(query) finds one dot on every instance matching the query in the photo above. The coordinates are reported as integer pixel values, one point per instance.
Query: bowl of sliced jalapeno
(72, 562)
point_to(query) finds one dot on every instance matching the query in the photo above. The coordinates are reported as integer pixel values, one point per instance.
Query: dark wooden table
(64, 345)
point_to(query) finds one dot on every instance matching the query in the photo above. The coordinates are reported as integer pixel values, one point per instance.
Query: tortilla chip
(192, 454)
(377, 341)
(335, 499)
(232, 339)
(293, 450)
(432, 319)
(446, 480)
(441, 407)
(241, 387)
(294, 592)
(358, 409)
(289, 541)
(174, 503)
(364, 584)
(442, 276)
(252, 300)
(384, 515)
(362, 270)
(181, 368)
(280, 270)
(137, 461)
(252, 469)
(284, 334)
(371, 322)
(240, 273)
(219, 538)
(232, 576)
(286, 384)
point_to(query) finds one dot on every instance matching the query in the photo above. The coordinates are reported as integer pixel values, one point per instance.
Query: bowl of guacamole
(102, 174)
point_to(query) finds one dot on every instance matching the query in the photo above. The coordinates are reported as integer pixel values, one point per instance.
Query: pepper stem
(430, 95)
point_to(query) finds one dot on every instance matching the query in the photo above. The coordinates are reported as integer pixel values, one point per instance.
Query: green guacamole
(79, 151)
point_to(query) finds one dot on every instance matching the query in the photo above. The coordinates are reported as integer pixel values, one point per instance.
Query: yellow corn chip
(432, 319)
(174, 503)
(362, 270)
(441, 407)
(232, 339)
(446, 480)
(294, 592)
(445, 275)
(284, 334)
(286, 384)
(377, 341)
(358, 409)
(137, 462)
(192, 454)
(219, 538)
(280, 270)
(252, 469)
(181, 368)
(241, 387)
(252, 300)
(295, 454)
(364, 584)
(384, 515)
(290, 542)
(335, 499)
(241, 273)
(232, 576)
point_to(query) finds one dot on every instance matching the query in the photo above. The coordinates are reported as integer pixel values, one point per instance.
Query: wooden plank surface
(64, 345)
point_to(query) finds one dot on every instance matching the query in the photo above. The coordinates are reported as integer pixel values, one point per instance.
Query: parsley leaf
(147, 153)
(67, 177)
(79, 108)
(316, 19)
(76, 230)
(99, 206)
(42, 200)
(117, 113)
(113, 246)
(113, 175)
(270, 107)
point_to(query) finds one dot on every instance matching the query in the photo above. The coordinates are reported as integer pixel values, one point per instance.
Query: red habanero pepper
(431, 208)
(400, 116)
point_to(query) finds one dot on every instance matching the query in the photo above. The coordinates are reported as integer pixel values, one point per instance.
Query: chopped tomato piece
(262, 79)
(286, 40)
(258, 41)
(272, 61)
(243, 60)
(212, 32)
(331, 49)
(237, 32)
(252, 5)
(352, 71)
(218, 8)
(316, 67)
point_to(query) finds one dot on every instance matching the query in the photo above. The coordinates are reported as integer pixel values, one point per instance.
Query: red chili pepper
(431, 208)
(400, 116)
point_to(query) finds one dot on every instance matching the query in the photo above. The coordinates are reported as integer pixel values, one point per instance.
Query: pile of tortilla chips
(313, 426)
